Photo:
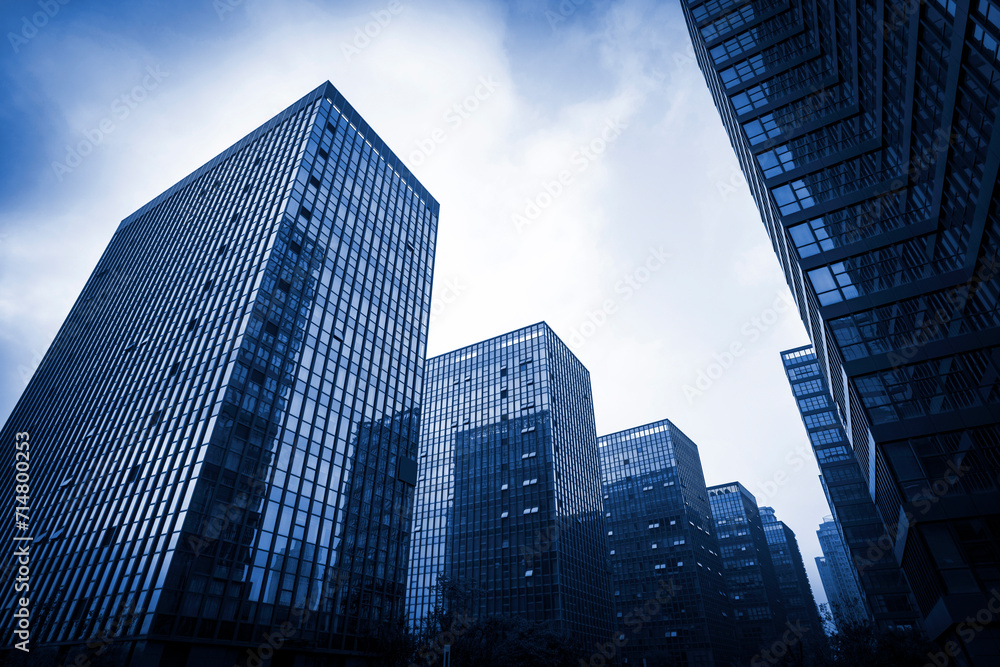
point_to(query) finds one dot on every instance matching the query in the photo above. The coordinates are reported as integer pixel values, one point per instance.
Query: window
(820, 419)
(825, 437)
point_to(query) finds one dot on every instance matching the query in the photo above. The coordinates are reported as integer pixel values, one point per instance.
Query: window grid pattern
(238, 379)
(508, 491)
(656, 504)
(854, 511)
(793, 583)
(749, 572)
(893, 218)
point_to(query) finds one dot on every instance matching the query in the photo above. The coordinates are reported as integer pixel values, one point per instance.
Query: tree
(859, 643)
(397, 646)
(500, 641)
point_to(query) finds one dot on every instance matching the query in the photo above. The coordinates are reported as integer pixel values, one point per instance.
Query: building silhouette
(867, 135)
(222, 428)
(793, 583)
(749, 573)
(671, 602)
(840, 579)
(508, 500)
(885, 596)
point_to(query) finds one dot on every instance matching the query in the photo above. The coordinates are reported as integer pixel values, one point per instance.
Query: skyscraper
(840, 580)
(749, 572)
(829, 583)
(885, 593)
(223, 440)
(793, 582)
(508, 502)
(670, 595)
(867, 134)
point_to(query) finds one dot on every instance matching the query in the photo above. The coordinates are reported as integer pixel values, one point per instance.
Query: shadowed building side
(671, 600)
(508, 504)
(214, 406)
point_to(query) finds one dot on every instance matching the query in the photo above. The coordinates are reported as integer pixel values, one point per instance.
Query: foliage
(500, 641)
(859, 643)
(480, 642)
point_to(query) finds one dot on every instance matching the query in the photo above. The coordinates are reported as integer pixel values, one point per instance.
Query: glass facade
(887, 599)
(224, 429)
(867, 134)
(793, 582)
(671, 602)
(508, 500)
(749, 572)
(840, 579)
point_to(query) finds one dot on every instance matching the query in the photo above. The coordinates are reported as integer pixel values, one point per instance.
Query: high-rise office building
(666, 563)
(840, 579)
(886, 595)
(749, 572)
(223, 441)
(508, 501)
(826, 576)
(867, 134)
(793, 582)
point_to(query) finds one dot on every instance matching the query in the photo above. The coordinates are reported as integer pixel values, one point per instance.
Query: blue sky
(584, 177)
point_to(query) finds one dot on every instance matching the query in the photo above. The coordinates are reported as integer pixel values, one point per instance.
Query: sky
(584, 176)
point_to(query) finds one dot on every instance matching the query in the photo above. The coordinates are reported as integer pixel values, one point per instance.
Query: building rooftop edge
(324, 90)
